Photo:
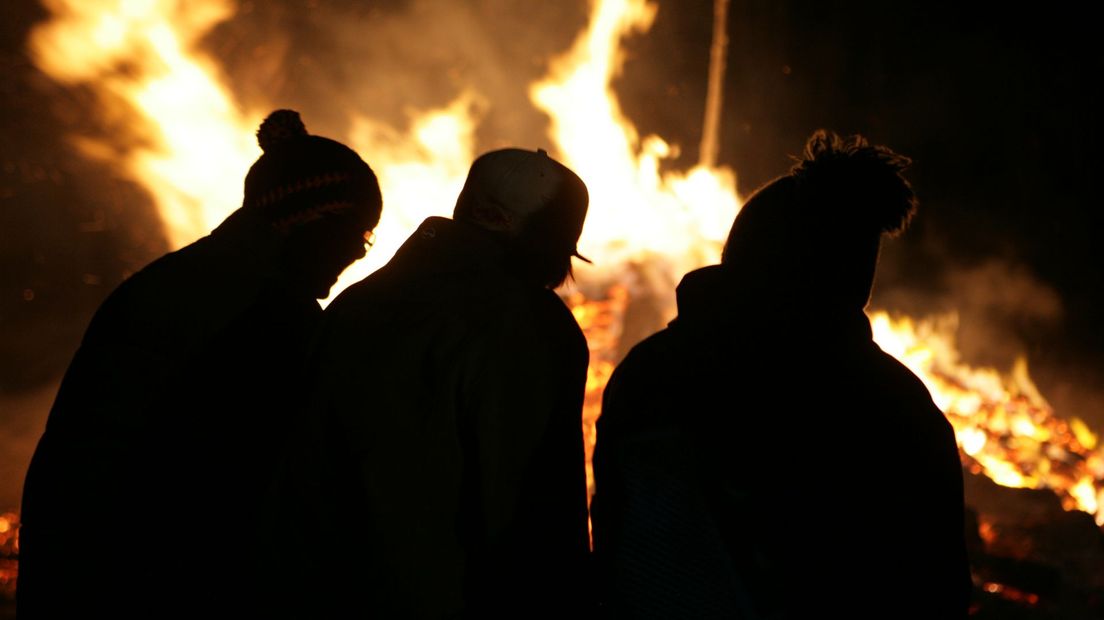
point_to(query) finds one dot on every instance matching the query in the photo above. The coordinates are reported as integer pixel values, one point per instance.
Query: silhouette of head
(319, 196)
(535, 203)
(817, 230)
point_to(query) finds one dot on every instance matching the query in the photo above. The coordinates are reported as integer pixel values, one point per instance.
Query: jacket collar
(444, 245)
(731, 302)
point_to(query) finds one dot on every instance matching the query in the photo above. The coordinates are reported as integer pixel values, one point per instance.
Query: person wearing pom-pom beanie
(143, 495)
(762, 457)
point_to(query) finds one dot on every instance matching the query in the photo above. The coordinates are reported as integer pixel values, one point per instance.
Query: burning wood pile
(1029, 556)
(9, 562)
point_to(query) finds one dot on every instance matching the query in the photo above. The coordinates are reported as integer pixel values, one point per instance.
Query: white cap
(515, 184)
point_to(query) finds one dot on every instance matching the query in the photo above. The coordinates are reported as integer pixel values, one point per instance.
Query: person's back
(143, 495)
(790, 468)
(448, 393)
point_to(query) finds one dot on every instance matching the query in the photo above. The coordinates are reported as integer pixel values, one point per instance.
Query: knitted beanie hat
(302, 178)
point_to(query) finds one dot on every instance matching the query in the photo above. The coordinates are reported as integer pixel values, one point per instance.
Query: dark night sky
(998, 109)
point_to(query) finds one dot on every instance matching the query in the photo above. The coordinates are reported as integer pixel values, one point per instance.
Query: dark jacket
(447, 469)
(142, 496)
(763, 458)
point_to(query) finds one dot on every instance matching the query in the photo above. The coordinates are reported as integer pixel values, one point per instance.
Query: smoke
(1003, 312)
(391, 61)
(1001, 308)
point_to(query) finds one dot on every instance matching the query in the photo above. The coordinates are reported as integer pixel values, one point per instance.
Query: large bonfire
(646, 227)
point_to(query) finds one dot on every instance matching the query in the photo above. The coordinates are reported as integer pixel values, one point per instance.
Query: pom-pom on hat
(302, 178)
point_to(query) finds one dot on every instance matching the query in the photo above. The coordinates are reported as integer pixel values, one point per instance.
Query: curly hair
(864, 182)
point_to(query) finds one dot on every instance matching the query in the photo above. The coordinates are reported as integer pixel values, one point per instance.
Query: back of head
(536, 204)
(317, 194)
(819, 227)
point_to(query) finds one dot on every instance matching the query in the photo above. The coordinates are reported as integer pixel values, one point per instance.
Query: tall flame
(187, 141)
(193, 145)
(683, 217)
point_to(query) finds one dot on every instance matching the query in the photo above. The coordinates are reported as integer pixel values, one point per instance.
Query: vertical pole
(714, 96)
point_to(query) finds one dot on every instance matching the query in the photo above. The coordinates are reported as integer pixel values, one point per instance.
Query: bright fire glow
(1005, 428)
(189, 143)
(180, 133)
(682, 217)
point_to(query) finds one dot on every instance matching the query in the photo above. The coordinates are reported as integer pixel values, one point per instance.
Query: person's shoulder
(349, 300)
(641, 401)
(140, 292)
(915, 401)
(551, 307)
(546, 316)
(658, 350)
(510, 302)
(895, 374)
(648, 366)
(196, 268)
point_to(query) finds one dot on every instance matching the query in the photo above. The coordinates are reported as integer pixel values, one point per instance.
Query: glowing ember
(186, 140)
(1011, 593)
(9, 550)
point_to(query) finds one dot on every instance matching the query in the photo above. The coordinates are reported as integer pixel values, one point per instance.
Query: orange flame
(682, 217)
(191, 152)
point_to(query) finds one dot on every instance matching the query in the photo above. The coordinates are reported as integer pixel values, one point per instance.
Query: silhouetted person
(762, 457)
(142, 497)
(449, 394)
